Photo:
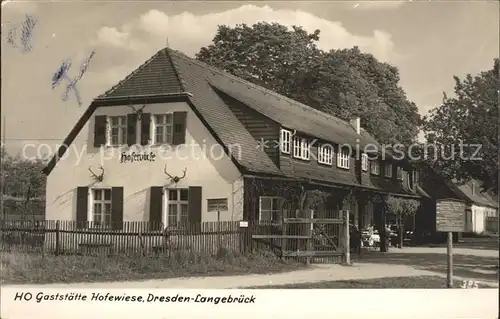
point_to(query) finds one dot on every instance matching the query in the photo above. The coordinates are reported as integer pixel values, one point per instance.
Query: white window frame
(301, 148)
(343, 158)
(178, 202)
(374, 167)
(272, 210)
(154, 125)
(325, 154)
(364, 162)
(285, 139)
(415, 177)
(388, 172)
(92, 201)
(122, 130)
(399, 173)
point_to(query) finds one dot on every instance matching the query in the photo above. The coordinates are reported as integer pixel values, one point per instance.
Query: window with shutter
(156, 207)
(117, 130)
(388, 170)
(100, 130)
(82, 194)
(163, 128)
(101, 207)
(145, 128)
(177, 207)
(179, 136)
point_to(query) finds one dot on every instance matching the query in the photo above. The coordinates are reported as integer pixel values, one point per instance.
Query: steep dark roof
(289, 113)
(155, 76)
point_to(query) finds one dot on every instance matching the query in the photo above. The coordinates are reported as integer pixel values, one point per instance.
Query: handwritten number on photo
(62, 75)
(467, 284)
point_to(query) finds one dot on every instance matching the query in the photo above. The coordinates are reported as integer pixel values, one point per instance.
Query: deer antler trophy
(138, 111)
(97, 178)
(175, 179)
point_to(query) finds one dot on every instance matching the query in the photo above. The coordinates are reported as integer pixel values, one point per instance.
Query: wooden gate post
(245, 236)
(58, 248)
(346, 238)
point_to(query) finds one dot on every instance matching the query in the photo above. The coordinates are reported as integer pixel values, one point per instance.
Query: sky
(429, 41)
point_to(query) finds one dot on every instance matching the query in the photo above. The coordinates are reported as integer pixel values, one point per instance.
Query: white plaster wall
(207, 166)
(478, 217)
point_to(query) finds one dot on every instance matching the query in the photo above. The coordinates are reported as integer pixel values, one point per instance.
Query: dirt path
(316, 273)
(442, 250)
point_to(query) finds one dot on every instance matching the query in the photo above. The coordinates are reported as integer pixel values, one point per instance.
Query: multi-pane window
(325, 154)
(269, 210)
(177, 206)
(301, 148)
(399, 172)
(375, 167)
(101, 213)
(286, 137)
(343, 157)
(364, 162)
(388, 170)
(163, 128)
(117, 130)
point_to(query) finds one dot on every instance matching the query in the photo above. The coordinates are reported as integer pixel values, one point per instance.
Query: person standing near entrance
(387, 237)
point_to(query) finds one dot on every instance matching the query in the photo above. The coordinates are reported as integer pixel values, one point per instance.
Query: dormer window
(343, 157)
(301, 148)
(388, 170)
(364, 162)
(325, 154)
(163, 128)
(285, 139)
(375, 167)
(415, 176)
(400, 173)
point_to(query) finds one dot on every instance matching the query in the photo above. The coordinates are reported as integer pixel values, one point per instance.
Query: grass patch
(18, 268)
(421, 282)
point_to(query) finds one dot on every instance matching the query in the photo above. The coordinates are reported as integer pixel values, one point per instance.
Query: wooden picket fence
(130, 238)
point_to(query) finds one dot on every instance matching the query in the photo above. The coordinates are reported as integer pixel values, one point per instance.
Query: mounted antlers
(138, 111)
(175, 179)
(97, 178)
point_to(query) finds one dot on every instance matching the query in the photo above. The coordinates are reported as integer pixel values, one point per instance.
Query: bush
(38, 269)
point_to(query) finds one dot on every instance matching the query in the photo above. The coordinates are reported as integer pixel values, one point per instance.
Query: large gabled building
(179, 141)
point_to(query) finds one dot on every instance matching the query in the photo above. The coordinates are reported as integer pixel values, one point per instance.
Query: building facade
(178, 141)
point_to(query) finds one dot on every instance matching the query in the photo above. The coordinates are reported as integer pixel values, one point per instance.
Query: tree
(346, 83)
(23, 182)
(464, 130)
(402, 207)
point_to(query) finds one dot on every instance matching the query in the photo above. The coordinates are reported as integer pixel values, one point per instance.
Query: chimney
(356, 124)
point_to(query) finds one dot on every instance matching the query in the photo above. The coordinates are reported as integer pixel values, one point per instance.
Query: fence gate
(317, 240)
